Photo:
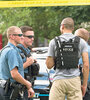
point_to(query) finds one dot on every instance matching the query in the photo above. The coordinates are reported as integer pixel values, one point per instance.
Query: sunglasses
(18, 35)
(29, 36)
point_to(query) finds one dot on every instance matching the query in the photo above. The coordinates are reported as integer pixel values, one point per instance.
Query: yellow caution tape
(41, 3)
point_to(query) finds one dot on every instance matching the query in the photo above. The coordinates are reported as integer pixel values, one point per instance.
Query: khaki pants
(66, 87)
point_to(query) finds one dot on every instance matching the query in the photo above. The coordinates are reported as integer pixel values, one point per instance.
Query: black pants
(87, 95)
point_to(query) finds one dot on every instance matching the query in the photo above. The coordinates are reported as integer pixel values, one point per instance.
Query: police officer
(28, 38)
(11, 65)
(25, 51)
(66, 80)
(83, 33)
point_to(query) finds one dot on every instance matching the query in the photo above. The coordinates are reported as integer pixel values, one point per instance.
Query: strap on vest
(33, 70)
(59, 50)
(25, 53)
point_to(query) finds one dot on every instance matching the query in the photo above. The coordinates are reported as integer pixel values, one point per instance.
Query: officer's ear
(62, 26)
(11, 36)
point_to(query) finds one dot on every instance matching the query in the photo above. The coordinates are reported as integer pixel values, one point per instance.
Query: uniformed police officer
(83, 33)
(23, 48)
(28, 38)
(66, 80)
(11, 65)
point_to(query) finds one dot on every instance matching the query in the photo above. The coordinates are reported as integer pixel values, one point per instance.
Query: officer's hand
(28, 84)
(30, 61)
(29, 88)
(83, 90)
(35, 61)
(31, 93)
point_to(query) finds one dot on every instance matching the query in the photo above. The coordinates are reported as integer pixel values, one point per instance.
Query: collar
(10, 44)
(67, 34)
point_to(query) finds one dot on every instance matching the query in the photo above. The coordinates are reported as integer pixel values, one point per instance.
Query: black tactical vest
(67, 53)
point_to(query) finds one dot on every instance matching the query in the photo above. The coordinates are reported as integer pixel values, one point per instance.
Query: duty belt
(2, 83)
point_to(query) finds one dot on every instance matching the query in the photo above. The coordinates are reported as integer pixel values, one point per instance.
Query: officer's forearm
(49, 62)
(16, 76)
(85, 68)
(25, 65)
(85, 74)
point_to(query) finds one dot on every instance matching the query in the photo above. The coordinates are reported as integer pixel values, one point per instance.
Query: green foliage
(44, 20)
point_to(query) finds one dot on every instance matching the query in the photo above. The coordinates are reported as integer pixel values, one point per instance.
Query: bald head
(83, 33)
(12, 30)
(68, 23)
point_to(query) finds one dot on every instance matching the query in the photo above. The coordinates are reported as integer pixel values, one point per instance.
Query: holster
(17, 90)
(7, 86)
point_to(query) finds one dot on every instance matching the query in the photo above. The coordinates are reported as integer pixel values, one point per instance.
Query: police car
(44, 79)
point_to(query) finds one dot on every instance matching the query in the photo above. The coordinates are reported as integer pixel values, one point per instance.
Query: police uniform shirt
(9, 59)
(63, 73)
(27, 50)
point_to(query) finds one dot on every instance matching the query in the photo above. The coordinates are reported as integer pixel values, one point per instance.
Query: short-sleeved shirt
(9, 59)
(81, 62)
(64, 73)
(27, 50)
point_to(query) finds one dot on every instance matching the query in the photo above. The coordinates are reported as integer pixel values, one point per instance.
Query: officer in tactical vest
(63, 54)
(31, 67)
(83, 33)
(29, 63)
(12, 82)
(27, 41)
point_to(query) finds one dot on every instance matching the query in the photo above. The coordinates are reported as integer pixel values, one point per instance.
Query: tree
(44, 20)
